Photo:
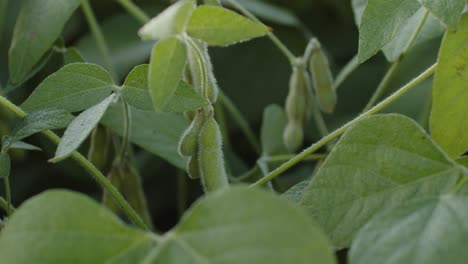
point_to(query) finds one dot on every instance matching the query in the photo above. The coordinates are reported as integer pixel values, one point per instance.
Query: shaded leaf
(380, 23)
(74, 87)
(24, 145)
(70, 227)
(218, 26)
(431, 231)
(80, 129)
(449, 11)
(38, 25)
(270, 12)
(379, 163)
(448, 120)
(294, 194)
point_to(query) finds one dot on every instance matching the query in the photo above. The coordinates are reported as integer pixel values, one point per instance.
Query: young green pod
(5, 164)
(115, 177)
(193, 169)
(100, 147)
(322, 79)
(210, 157)
(296, 101)
(293, 135)
(189, 140)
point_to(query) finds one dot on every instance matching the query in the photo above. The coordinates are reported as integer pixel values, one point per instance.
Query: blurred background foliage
(253, 74)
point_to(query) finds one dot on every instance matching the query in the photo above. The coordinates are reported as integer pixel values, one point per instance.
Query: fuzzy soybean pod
(210, 157)
(293, 135)
(193, 168)
(188, 143)
(322, 79)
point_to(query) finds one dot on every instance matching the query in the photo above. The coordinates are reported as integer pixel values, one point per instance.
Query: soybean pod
(189, 140)
(210, 156)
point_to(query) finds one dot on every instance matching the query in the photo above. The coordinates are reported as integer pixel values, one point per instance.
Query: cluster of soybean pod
(301, 101)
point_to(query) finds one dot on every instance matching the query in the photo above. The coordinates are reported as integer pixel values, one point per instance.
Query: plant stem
(390, 73)
(99, 37)
(287, 53)
(120, 200)
(126, 129)
(347, 70)
(4, 205)
(8, 195)
(134, 10)
(240, 119)
(314, 147)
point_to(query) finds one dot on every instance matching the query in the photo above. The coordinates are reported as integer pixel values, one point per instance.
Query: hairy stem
(347, 70)
(83, 162)
(4, 205)
(308, 151)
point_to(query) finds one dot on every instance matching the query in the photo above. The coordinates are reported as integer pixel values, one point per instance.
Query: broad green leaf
(168, 61)
(380, 23)
(170, 22)
(161, 133)
(74, 87)
(38, 25)
(432, 29)
(40, 120)
(5, 164)
(379, 163)
(24, 145)
(270, 12)
(448, 122)
(449, 11)
(65, 227)
(431, 231)
(271, 133)
(212, 2)
(136, 93)
(220, 228)
(294, 194)
(72, 55)
(218, 26)
(463, 161)
(80, 128)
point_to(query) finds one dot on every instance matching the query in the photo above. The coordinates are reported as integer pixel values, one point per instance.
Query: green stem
(308, 151)
(347, 70)
(99, 37)
(132, 215)
(201, 64)
(134, 10)
(240, 119)
(126, 129)
(4, 204)
(287, 53)
(319, 121)
(8, 195)
(391, 72)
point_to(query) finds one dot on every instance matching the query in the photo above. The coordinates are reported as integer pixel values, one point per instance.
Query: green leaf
(449, 11)
(294, 194)
(431, 231)
(72, 55)
(381, 21)
(218, 26)
(431, 29)
(5, 164)
(161, 133)
(448, 120)
(136, 93)
(379, 163)
(80, 129)
(65, 227)
(39, 121)
(38, 25)
(221, 229)
(74, 88)
(463, 161)
(24, 146)
(271, 133)
(168, 61)
(170, 22)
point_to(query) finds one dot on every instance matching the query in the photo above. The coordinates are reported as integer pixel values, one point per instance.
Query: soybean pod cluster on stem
(310, 90)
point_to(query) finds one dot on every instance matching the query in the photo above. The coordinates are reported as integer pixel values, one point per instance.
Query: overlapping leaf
(381, 162)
